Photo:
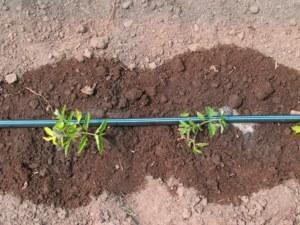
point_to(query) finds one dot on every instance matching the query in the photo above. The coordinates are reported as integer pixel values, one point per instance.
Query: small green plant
(71, 127)
(296, 129)
(190, 130)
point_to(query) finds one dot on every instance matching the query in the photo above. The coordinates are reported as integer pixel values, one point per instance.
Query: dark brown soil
(234, 164)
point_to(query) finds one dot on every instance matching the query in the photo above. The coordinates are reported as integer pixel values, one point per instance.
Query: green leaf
(210, 111)
(102, 128)
(59, 125)
(86, 121)
(82, 144)
(78, 115)
(212, 129)
(200, 116)
(296, 129)
(66, 147)
(48, 131)
(184, 114)
(49, 139)
(198, 147)
(99, 143)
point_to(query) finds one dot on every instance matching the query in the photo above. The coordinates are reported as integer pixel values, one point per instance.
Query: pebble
(99, 42)
(241, 35)
(204, 202)
(186, 213)
(81, 29)
(152, 65)
(79, 58)
(88, 90)
(132, 66)
(11, 78)
(180, 191)
(235, 101)
(263, 91)
(127, 4)
(254, 9)
(133, 94)
(88, 53)
(127, 23)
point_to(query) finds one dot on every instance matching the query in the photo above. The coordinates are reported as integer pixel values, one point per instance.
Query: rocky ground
(142, 34)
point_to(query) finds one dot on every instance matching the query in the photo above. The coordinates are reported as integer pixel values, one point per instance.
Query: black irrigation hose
(30, 123)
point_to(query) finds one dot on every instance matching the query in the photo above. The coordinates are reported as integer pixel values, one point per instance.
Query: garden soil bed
(234, 164)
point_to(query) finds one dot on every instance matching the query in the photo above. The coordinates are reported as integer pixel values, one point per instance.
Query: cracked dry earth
(144, 34)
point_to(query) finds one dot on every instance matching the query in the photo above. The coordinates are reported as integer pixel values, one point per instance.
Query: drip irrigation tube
(30, 123)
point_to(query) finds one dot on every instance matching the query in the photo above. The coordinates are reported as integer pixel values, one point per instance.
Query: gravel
(11, 78)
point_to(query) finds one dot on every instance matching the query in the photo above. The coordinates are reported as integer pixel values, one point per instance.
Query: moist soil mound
(234, 164)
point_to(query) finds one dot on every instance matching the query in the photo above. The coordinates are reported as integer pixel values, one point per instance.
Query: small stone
(186, 213)
(127, 23)
(180, 191)
(11, 78)
(263, 90)
(132, 66)
(127, 4)
(204, 202)
(81, 29)
(152, 65)
(99, 42)
(241, 35)
(88, 53)
(133, 94)
(235, 101)
(254, 9)
(34, 103)
(79, 58)
(88, 90)
(293, 22)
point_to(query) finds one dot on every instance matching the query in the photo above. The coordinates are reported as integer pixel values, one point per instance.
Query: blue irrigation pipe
(30, 123)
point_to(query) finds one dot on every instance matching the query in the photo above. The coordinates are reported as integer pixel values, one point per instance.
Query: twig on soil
(49, 106)
(113, 13)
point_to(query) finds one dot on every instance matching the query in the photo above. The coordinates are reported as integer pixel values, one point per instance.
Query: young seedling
(296, 129)
(190, 130)
(71, 127)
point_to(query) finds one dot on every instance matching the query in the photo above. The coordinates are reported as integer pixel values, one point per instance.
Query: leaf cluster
(296, 129)
(71, 127)
(189, 130)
